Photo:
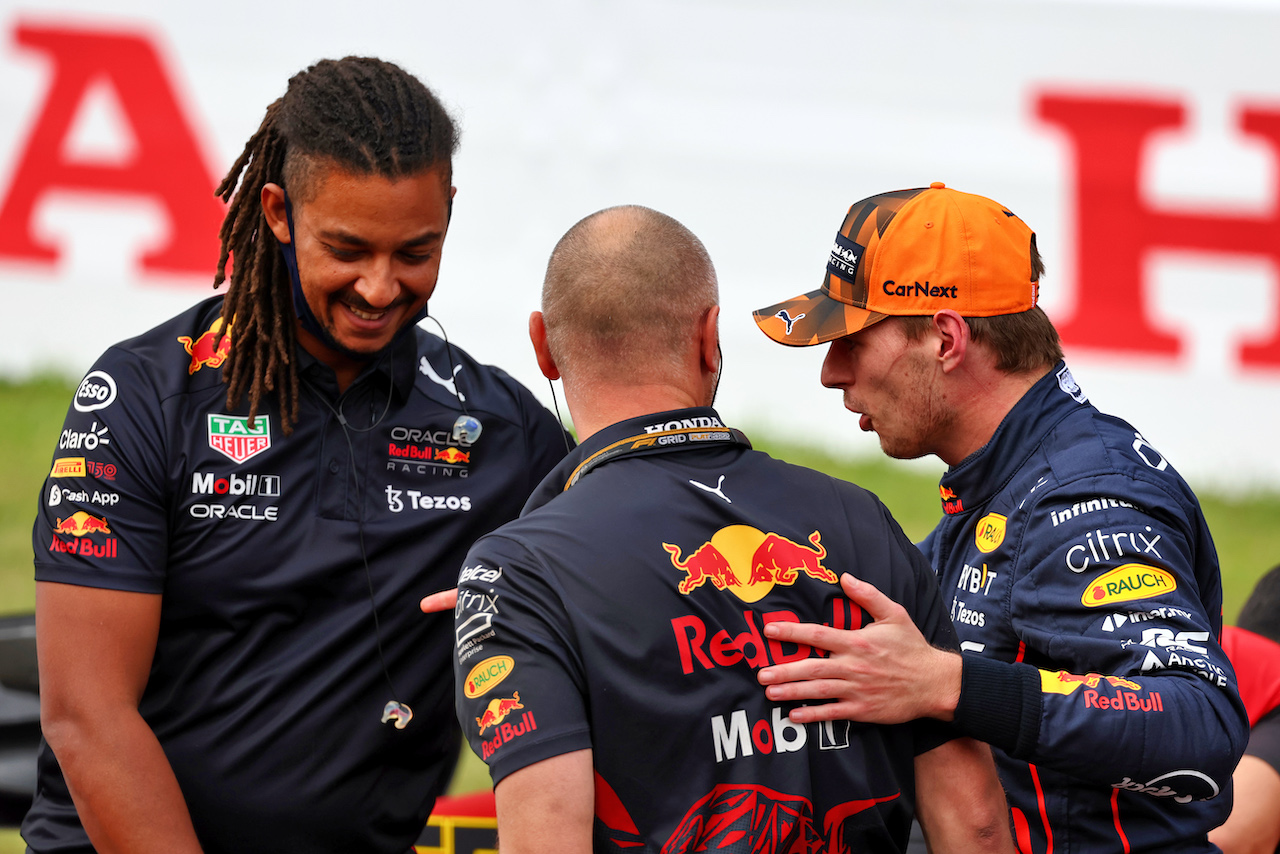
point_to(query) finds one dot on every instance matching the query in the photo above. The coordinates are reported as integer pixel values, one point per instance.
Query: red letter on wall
(166, 165)
(1115, 228)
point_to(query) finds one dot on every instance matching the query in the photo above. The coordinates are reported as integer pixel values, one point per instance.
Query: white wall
(756, 124)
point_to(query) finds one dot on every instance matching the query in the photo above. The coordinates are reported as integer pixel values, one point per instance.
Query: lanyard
(659, 443)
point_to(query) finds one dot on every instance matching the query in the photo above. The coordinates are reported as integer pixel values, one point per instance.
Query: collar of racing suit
(987, 470)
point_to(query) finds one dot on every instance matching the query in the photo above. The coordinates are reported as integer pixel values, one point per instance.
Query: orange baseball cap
(913, 252)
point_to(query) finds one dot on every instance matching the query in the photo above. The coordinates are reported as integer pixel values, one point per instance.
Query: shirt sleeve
(1264, 740)
(1123, 682)
(547, 441)
(520, 685)
(102, 520)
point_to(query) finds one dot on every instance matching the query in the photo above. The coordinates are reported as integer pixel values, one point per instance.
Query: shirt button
(333, 466)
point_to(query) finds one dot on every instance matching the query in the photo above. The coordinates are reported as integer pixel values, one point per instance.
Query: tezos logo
(418, 501)
(97, 391)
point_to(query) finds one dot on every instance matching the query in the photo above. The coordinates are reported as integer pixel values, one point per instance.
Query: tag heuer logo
(232, 436)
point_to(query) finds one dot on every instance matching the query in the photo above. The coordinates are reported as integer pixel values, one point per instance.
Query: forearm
(548, 807)
(960, 804)
(121, 782)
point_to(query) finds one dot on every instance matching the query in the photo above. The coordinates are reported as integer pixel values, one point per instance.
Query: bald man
(608, 640)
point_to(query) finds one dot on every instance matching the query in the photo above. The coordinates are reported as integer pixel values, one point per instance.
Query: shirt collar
(674, 419)
(397, 363)
(987, 470)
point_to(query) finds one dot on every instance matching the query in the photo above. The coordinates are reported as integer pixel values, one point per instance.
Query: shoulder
(1102, 451)
(176, 357)
(450, 375)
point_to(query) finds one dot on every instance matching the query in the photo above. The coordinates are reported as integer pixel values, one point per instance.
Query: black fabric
(267, 691)
(625, 614)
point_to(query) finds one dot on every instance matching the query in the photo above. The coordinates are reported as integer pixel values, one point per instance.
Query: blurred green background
(1245, 528)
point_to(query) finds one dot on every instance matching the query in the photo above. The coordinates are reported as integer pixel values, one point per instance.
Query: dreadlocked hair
(360, 114)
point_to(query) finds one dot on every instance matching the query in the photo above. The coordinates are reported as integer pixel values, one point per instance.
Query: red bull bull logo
(1061, 682)
(452, 456)
(951, 503)
(207, 350)
(748, 562)
(81, 523)
(497, 711)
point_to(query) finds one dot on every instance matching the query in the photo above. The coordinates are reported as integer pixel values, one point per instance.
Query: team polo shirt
(267, 692)
(625, 615)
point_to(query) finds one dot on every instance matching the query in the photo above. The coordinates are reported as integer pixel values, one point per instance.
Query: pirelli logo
(68, 467)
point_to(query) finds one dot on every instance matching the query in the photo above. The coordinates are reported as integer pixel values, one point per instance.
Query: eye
(415, 257)
(342, 254)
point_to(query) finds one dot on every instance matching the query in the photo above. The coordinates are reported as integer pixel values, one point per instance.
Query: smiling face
(893, 383)
(368, 251)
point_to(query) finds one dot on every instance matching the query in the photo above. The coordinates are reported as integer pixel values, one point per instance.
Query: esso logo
(97, 391)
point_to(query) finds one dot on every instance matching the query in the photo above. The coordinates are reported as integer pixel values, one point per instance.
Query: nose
(835, 367)
(378, 284)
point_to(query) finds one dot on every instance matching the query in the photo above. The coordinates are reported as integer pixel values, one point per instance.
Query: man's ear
(954, 338)
(273, 208)
(709, 341)
(538, 335)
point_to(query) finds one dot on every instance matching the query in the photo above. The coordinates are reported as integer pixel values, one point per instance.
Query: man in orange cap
(1077, 565)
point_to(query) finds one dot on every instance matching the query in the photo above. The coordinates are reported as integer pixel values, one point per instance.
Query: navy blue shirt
(624, 614)
(266, 691)
(1084, 586)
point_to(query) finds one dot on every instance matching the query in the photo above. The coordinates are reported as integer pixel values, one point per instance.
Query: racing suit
(1084, 587)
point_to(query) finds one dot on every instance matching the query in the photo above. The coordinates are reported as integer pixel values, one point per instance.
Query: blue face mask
(303, 310)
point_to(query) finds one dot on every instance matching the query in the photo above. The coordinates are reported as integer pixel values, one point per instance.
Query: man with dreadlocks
(248, 501)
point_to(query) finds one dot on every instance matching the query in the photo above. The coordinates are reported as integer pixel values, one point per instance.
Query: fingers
(875, 603)
(809, 634)
(445, 600)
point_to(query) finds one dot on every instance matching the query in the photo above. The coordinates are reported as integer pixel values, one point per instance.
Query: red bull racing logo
(748, 562)
(81, 524)
(951, 503)
(497, 711)
(1061, 682)
(503, 730)
(207, 350)
(452, 456)
(1066, 683)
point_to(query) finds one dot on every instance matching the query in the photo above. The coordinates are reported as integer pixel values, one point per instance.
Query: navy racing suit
(1084, 587)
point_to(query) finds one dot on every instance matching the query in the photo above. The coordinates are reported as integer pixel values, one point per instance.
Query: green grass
(30, 419)
(1245, 529)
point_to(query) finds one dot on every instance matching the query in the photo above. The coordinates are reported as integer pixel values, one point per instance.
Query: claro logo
(1128, 583)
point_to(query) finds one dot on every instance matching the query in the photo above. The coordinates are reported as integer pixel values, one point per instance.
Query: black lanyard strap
(659, 442)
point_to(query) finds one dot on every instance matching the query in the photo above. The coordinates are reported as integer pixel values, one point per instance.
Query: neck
(345, 368)
(982, 400)
(594, 407)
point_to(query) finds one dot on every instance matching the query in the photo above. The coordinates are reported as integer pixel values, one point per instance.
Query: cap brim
(813, 318)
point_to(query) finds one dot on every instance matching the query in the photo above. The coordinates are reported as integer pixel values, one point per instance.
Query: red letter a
(166, 165)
